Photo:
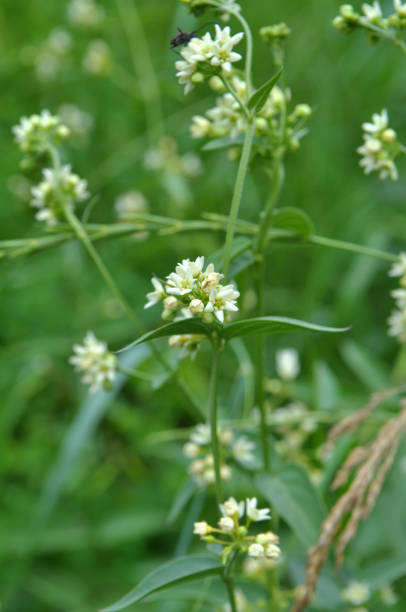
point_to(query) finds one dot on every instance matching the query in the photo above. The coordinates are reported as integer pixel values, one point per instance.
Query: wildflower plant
(202, 304)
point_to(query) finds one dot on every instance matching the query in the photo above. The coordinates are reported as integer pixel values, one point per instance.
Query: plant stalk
(238, 188)
(213, 416)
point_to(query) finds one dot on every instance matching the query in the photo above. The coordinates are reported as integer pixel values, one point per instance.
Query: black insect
(182, 38)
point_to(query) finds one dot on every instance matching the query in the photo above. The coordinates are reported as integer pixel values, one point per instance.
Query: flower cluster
(228, 119)
(130, 203)
(37, 133)
(51, 56)
(207, 55)
(260, 546)
(194, 290)
(371, 19)
(165, 157)
(397, 319)
(59, 189)
(96, 362)
(198, 448)
(85, 13)
(380, 147)
(356, 593)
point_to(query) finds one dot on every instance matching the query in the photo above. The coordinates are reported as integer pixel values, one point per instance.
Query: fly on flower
(183, 38)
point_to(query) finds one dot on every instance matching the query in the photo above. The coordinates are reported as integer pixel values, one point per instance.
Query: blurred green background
(102, 511)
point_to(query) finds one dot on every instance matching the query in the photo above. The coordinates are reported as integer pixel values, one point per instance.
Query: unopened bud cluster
(96, 362)
(37, 133)
(198, 448)
(380, 148)
(233, 534)
(228, 119)
(349, 19)
(60, 188)
(197, 291)
(397, 319)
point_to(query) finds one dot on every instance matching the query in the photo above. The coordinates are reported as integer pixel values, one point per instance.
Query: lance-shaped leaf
(168, 575)
(260, 96)
(292, 494)
(293, 219)
(186, 326)
(272, 325)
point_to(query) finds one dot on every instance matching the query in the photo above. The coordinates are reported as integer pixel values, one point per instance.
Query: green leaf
(169, 574)
(239, 247)
(272, 325)
(293, 219)
(296, 500)
(260, 96)
(183, 496)
(383, 571)
(186, 326)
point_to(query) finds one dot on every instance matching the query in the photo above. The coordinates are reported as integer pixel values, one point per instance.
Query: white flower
(256, 550)
(399, 267)
(36, 133)
(397, 325)
(287, 363)
(226, 524)
(222, 299)
(254, 513)
(196, 306)
(97, 59)
(380, 147)
(59, 188)
(372, 12)
(85, 13)
(157, 295)
(218, 52)
(202, 528)
(356, 593)
(379, 122)
(400, 8)
(201, 434)
(191, 450)
(95, 361)
(400, 297)
(232, 508)
(242, 450)
(79, 122)
(272, 551)
(184, 279)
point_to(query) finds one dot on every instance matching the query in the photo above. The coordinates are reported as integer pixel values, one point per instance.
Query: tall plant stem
(213, 420)
(265, 224)
(238, 189)
(87, 243)
(145, 72)
(228, 581)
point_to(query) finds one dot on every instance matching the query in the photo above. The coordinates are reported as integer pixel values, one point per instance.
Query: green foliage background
(107, 526)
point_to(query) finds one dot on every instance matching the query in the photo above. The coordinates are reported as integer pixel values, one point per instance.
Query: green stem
(228, 581)
(265, 224)
(87, 243)
(350, 246)
(230, 592)
(213, 420)
(266, 215)
(136, 374)
(384, 34)
(141, 58)
(238, 188)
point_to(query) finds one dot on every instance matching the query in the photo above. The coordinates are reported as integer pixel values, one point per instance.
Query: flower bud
(196, 306)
